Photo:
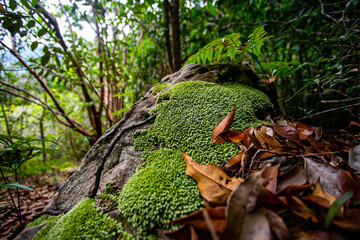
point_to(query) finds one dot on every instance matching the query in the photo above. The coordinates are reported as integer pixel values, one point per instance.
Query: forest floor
(32, 202)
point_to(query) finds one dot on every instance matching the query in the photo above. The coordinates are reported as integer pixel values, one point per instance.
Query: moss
(159, 88)
(82, 222)
(187, 113)
(42, 219)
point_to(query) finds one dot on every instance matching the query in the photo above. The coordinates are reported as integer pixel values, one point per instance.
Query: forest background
(67, 87)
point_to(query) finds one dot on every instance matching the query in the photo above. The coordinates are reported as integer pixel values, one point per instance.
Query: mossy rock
(189, 104)
(160, 190)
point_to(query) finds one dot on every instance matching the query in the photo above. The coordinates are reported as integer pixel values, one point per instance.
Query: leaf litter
(32, 202)
(264, 192)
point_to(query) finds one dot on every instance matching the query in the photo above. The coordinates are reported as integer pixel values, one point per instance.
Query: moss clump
(42, 219)
(159, 88)
(82, 222)
(160, 191)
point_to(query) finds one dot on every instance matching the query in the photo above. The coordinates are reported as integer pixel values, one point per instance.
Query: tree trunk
(167, 35)
(42, 134)
(175, 29)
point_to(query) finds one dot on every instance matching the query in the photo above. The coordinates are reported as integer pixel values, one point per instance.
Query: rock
(123, 160)
(29, 233)
(325, 172)
(354, 158)
(151, 135)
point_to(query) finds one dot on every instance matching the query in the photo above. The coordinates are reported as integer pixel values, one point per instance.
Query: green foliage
(15, 185)
(230, 46)
(81, 222)
(15, 151)
(187, 113)
(335, 207)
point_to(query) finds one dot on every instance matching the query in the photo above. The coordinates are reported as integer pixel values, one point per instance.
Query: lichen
(82, 222)
(159, 88)
(187, 113)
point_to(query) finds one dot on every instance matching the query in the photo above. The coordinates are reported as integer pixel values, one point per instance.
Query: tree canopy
(53, 70)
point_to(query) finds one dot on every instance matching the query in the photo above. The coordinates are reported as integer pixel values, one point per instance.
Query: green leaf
(34, 45)
(31, 24)
(12, 5)
(128, 93)
(25, 3)
(334, 208)
(15, 185)
(45, 59)
(42, 32)
(34, 2)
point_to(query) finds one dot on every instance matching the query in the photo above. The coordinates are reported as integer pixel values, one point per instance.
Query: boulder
(123, 160)
(137, 164)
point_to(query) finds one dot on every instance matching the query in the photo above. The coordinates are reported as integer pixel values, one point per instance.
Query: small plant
(230, 46)
(15, 151)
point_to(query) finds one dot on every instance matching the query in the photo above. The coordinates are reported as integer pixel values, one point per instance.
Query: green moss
(187, 113)
(42, 219)
(159, 88)
(82, 222)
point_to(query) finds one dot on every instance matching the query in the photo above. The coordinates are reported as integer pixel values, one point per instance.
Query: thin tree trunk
(175, 29)
(6, 120)
(42, 133)
(167, 35)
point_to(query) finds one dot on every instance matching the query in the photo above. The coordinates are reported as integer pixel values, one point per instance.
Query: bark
(167, 35)
(175, 28)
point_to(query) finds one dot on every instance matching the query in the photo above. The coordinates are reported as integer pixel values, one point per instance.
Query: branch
(325, 14)
(33, 101)
(47, 90)
(330, 110)
(341, 101)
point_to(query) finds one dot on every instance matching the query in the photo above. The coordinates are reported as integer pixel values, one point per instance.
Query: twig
(341, 101)
(268, 151)
(210, 225)
(18, 197)
(12, 199)
(109, 149)
(330, 110)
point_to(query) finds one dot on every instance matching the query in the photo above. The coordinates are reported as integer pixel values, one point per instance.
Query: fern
(230, 46)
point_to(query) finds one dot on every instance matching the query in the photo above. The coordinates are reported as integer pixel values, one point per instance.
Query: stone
(118, 167)
(29, 233)
(144, 164)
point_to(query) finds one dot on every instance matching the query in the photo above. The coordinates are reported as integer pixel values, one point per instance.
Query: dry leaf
(277, 225)
(345, 183)
(223, 126)
(319, 191)
(213, 183)
(236, 161)
(272, 173)
(234, 136)
(288, 132)
(242, 200)
(296, 175)
(256, 226)
(197, 221)
(270, 141)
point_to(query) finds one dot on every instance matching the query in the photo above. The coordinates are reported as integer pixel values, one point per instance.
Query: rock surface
(123, 160)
